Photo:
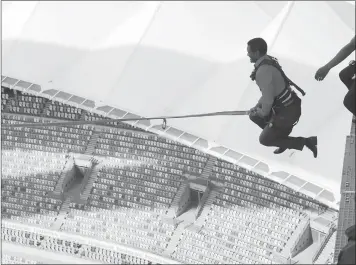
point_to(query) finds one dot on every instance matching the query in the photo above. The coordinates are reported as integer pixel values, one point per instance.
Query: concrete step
(92, 143)
(175, 239)
(206, 208)
(62, 214)
(293, 240)
(209, 167)
(93, 174)
(177, 198)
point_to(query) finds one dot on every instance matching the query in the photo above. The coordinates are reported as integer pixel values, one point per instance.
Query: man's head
(256, 48)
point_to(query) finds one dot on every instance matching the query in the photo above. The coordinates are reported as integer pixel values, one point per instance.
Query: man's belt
(285, 99)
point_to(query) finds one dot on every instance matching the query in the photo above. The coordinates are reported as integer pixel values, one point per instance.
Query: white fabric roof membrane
(173, 58)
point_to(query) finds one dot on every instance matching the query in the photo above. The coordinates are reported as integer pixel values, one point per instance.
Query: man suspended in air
(279, 108)
(347, 75)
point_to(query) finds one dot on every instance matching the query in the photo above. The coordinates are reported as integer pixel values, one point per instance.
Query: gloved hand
(253, 111)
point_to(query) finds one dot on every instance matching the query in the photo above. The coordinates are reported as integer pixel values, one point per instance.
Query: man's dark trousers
(282, 125)
(346, 77)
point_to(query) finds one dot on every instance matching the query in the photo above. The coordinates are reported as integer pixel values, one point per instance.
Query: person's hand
(253, 111)
(321, 73)
(259, 113)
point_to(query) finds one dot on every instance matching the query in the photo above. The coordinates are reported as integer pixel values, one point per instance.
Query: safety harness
(287, 96)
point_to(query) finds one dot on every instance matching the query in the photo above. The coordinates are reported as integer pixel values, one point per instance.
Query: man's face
(254, 56)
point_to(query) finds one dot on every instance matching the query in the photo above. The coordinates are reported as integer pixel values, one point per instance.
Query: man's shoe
(312, 144)
(279, 150)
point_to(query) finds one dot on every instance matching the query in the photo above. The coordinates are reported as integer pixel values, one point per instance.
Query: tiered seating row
(134, 228)
(211, 248)
(248, 230)
(6, 94)
(7, 259)
(63, 111)
(229, 172)
(69, 247)
(94, 117)
(134, 145)
(112, 187)
(26, 183)
(27, 104)
(66, 139)
(132, 177)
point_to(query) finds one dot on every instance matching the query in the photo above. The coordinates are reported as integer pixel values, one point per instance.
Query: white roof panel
(173, 58)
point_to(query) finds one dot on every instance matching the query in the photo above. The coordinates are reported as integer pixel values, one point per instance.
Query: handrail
(331, 231)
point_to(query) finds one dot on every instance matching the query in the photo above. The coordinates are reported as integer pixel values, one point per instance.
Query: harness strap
(274, 62)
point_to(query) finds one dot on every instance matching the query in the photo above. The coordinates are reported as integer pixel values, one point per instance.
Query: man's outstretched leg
(287, 132)
(272, 136)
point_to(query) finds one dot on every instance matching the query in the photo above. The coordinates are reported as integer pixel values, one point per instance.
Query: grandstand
(118, 194)
(190, 193)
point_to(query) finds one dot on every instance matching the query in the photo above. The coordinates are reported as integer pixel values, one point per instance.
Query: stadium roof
(172, 58)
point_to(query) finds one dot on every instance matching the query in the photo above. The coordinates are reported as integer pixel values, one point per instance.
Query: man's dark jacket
(347, 254)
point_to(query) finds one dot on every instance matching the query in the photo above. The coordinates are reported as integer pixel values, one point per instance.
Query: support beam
(222, 154)
(284, 180)
(66, 101)
(256, 164)
(302, 186)
(180, 136)
(193, 143)
(135, 123)
(12, 87)
(318, 194)
(240, 158)
(149, 127)
(26, 89)
(51, 98)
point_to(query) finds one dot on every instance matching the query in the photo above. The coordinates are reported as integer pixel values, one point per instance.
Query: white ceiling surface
(168, 58)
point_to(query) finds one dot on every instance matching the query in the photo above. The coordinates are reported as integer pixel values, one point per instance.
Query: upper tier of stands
(250, 220)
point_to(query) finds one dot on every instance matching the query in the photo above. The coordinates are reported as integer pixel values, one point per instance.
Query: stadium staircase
(46, 107)
(175, 239)
(294, 239)
(58, 190)
(323, 246)
(8, 103)
(92, 143)
(203, 201)
(83, 115)
(62, 214)
(209, 167)
(206, 208)
(175, 203)
(90, 177)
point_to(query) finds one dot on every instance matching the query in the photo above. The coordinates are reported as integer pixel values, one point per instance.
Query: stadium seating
(59, 110)
(136, 146)
(26, 183)
(89, 116)
(26, 104)
(68, 247)
(51, 139)
(250, 220)
(7, 259)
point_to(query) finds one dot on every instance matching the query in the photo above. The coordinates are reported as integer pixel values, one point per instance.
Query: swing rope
(105, 121)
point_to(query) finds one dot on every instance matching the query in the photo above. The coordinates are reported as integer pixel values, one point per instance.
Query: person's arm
(264, 79)
(259, 103)
(342, 54)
